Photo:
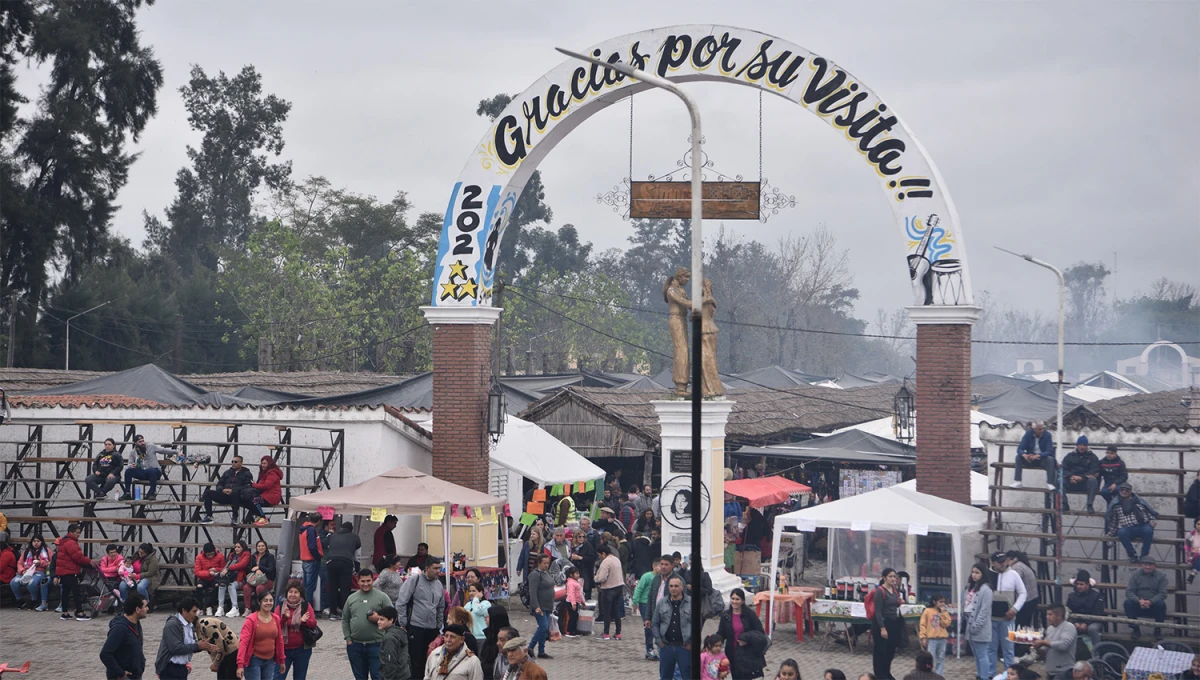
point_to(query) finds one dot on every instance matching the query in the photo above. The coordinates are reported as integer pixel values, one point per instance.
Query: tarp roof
(765, 491)
(1024, 405)
(979, 488)
(863, 442)
(535, 454)
(892, 509)
(146, 382)
(400, 491)
(773, 376)
(417, 392)
(882, 427)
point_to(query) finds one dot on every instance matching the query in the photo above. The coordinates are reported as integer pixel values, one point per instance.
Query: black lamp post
(904, 415)
(496, 411)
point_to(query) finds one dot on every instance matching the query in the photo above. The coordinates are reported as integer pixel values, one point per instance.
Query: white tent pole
(507, 549)
(447, 520)
(956, 546)
(776, 539)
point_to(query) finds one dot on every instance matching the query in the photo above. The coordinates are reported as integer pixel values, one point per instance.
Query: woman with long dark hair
(745, 638)
(496, 618)
(977, 620)
(887, 628)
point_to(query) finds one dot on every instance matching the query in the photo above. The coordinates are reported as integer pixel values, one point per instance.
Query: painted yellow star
(449, 290)
(467, 289)
(458, 269)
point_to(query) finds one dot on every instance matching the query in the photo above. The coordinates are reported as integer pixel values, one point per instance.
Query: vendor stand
(401, 491)
(879, 529)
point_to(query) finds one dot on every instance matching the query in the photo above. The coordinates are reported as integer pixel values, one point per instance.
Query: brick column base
(461, 371)
(943, 400)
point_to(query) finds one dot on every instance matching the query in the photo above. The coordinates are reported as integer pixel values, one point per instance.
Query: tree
(63, 166)
(213, 207)
(1086, 300)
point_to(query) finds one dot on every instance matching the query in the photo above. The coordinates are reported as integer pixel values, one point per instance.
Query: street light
(496, 412)
(697, 309)
(68, 358)
(902, 411)
(1058, 445)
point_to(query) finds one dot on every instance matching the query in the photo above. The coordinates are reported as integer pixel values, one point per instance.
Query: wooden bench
(1038, 488)
(1090, 561)
(157, 544)
(1070, 513)
(1072, 536)
(161, 482)
(1132, 471)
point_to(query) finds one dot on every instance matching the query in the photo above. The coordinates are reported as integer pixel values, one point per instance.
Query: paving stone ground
(69, 650)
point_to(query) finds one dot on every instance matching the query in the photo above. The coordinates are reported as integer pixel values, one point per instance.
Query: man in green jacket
(359, 627)
(393, 650)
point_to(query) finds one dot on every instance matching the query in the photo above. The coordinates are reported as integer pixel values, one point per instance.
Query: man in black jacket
(106, 471)
(1112, 473)
(1081, 473)
(234, 488)
(122, 653)
(1086, 600)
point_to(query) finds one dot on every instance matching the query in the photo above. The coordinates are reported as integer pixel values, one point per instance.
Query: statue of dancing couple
(675, 294)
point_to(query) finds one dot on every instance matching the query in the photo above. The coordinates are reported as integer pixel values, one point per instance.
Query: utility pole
(178, 363)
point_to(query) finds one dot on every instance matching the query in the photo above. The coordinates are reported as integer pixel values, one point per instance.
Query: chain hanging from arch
(771, 199)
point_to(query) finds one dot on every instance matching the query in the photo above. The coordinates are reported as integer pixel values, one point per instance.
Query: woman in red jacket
(208, 565)
(295, 614)
(267, 490)
(229, 580)
(260, 646)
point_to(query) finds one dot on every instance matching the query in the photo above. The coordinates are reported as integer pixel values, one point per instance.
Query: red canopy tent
(764, 491)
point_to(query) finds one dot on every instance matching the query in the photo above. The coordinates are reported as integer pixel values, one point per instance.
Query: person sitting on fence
(1086, 600)
(1113, 473)
(1036, 450)
(106, 471)
(232, 489)
(1146, 596)
(144, 466)
(1081, 473)
(207, 567)
(1130, 517)
(267, 491)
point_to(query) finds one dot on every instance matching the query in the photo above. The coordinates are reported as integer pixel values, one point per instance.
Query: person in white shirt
(1011, 591)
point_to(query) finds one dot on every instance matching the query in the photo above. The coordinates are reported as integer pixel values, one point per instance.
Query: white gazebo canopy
(979, 488)
(892, 509)
(535, 454)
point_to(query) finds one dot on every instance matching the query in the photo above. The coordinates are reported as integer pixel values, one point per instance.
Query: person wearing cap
(1086, 600)
(1081, 473)
(1146, 595)
(143, 465)
(1010, 592)
(1113, 473)
(453, 661)
(1036, 450)
(521, 665)
(608, 522)
(1019, 562)
(1129, 517)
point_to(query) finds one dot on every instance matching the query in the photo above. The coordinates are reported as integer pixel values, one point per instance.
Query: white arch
(487, 190)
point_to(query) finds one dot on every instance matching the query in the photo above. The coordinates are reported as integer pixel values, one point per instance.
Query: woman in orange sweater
(260, 648)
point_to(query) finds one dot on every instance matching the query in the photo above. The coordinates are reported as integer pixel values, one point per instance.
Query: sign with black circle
(677, 507)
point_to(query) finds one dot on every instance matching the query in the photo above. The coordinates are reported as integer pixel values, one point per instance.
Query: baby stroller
(99, 594)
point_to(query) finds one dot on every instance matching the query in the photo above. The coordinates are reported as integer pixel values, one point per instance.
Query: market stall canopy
(1025, 405)
(536, 455)
(765, 491)
(399, 491)
(979, 488)
(892, 509)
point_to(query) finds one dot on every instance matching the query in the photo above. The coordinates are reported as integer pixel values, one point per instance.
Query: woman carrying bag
(300, 631)
(745, 639)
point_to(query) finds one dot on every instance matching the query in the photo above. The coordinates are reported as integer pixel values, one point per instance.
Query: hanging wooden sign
(673, 200)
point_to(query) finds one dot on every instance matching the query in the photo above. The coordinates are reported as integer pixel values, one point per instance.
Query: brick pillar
(462, 340)
(943, 400)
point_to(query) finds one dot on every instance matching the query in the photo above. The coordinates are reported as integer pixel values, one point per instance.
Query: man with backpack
(422, 609)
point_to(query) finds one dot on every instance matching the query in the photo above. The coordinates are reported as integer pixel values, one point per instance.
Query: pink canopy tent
(764, 491)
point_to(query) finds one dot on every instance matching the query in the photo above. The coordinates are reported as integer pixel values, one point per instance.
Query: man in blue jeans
(672, 625)
(1036, 450)
(359, 627)
(311, 552)
(1129, 517)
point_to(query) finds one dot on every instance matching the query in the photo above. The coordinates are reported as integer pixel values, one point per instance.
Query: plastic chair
(1109, 647)
(1116, 661)
(1104, 671)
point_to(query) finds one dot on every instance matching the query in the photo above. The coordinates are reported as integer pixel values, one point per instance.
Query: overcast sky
(1063, 129)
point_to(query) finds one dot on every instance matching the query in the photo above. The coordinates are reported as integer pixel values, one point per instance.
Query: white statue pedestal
(677, 507)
